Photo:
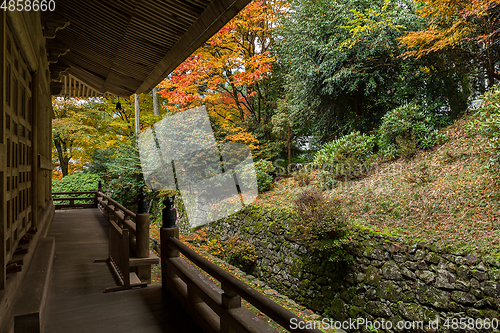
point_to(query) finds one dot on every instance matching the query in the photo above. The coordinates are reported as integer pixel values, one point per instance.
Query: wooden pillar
(35, 199)
(230, 300)
(3, 154)
(137, 115)
(167, 251)
(142, 222)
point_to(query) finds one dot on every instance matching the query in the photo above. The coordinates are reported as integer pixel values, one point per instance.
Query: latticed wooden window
(15, 141)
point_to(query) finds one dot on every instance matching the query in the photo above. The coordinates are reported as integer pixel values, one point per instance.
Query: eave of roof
(124, 47)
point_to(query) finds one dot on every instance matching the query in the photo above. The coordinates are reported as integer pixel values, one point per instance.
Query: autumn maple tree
(229, 73)
(82, 126)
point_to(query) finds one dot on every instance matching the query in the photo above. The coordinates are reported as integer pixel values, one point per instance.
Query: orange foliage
(225, 74)
(469, 26)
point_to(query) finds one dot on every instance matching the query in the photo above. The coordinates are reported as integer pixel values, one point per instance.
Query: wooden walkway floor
(76, 302)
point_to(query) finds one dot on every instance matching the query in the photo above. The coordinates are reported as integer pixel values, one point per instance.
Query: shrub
(264, 179)
(235, 251)
(486, 121)
(303, 177)
(322, 225)
(77, 182)
(346, 157)
(405, 129)
(240, 253)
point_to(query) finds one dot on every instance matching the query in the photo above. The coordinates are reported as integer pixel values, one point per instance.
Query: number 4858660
(28, 5)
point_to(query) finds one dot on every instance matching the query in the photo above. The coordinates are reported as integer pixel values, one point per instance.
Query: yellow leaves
(449, 24)
(364, 24)
(241, 135)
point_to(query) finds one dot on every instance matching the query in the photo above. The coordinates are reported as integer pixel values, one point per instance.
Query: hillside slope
(445, 195)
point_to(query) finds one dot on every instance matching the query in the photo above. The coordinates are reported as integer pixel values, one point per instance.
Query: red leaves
(223, 73)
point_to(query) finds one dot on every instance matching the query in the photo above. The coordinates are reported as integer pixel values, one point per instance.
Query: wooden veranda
(76, 301)
(78, 296)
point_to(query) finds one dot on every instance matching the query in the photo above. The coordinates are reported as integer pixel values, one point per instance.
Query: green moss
(373, 276)
(336, 310)
(356, 312)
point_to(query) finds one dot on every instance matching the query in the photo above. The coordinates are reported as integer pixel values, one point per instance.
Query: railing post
(230, 300)
(111, 213)
(116, 220)
(96, 198)
(168, 230)
(142, 222)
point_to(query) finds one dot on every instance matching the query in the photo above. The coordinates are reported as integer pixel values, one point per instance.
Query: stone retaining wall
(387, 280)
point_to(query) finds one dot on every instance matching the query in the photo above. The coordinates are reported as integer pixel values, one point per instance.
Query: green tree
(81, 126)
(344, 66)
(74, 134)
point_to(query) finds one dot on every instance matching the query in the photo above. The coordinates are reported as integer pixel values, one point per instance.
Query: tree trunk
(458, 95)
(63, 160)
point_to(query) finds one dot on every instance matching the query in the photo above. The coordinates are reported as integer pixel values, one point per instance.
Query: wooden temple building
(76, 49)
(49, 279)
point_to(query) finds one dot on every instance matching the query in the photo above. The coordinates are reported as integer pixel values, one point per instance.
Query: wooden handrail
(137, 226)
(72, 200)
(85, 192)
(117, 205)
(232, 287)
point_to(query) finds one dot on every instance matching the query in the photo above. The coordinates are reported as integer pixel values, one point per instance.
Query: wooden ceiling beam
(55, 49)
(90, 78)
(211, 20)
(127, 46)
(52, 23)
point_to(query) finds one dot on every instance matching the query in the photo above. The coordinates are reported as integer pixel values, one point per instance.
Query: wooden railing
(129, 253)
(214, 308)
(72, 204)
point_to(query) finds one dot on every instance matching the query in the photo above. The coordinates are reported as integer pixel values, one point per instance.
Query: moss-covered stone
(491, 288)
(378, 309)
(391, 271)
(337, 309)
(463, 297)
(372, 276)
(416, 312)
(356, 312)
(389, 290)
(437, 298)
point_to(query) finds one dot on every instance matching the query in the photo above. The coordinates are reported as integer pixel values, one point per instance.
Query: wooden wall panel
(3, 152)
(17, 130)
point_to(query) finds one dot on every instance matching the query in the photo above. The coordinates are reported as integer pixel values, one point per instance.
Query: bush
(322, 225)
(264, 179)
(486, 122)
(303, 177)
(77, 182)
(235, 251)
(405, 129)
(346, 157)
